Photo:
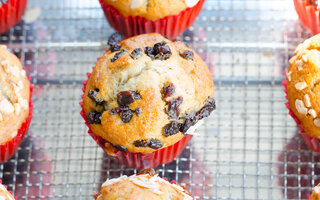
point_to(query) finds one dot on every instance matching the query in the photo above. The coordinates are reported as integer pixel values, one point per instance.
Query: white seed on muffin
(301, 107)
(300, 85)
(307, 101)
(313, 113)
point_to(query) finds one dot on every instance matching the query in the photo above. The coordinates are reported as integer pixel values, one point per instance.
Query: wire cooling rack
(249, 148)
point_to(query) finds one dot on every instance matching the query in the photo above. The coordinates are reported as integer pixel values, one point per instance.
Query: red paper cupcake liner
(8, 191)
(140, 160)
(308, 14)
(11, 13)
(170, 26)
(312, 142)
(8, 149)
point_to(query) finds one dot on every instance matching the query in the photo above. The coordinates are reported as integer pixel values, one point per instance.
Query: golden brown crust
(150, 9)
(141, 187)
(191, 79)
(14, 95)
(315, 193)
(303, 85)
(5, 194)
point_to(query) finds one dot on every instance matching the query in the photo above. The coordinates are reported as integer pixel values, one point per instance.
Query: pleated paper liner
(11, 13)
(8, 149)
(312, 142)
(140, 160)
(170, 26)
(308, 15)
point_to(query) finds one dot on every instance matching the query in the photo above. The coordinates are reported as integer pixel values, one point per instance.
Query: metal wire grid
(248, 149)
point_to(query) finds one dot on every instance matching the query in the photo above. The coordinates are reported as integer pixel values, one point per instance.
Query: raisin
(206, 110)
(187, 54)
(141, 143)
(149, 51)
(149, 171)
(115, 38)
(92, 94)
(125, 98)
(314, 2)
(159, 51)
(171, 129)
(125, 114)
(138, 111)
(189, 121)
(118, 55)
(152, 143)
(155, 144)
(168, 90)
(173, 107)
(136, 53)
(115, 48)
(121, 148)
(94, 118)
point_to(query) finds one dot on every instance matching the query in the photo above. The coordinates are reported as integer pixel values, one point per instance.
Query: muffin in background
(15, 104)
(308, 12)
(303, 90)
(315, 193)
(145, 185)
(167, 17)
(4, 194)
(11, 12)
(145, 97)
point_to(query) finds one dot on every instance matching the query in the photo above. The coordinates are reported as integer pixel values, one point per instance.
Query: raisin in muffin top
(146, 92)
(14, 95)
(146, 185)
(303, 85)
(4, 194)
(151, 9)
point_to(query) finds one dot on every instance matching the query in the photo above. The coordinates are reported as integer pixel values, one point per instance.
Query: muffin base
(312, 142)
(139, 160)
(308, 14)
(8, 149)
(171, 26)
(11, 13)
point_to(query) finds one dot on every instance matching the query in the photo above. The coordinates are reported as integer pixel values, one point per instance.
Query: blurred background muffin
(167, 17)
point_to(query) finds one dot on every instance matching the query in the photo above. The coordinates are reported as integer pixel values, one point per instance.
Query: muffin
(11, 12)
(308, 12)
(146, 185)
(145, 95)
(167, 17)
(15, 103)
(315, 193)
(303, 90)
(4, 194)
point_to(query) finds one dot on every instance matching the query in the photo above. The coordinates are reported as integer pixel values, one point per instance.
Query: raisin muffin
(4, 194)
(168, 17)
(145, 93)
(308, 12)
(146, 185)
(14, 101)
(315, 193)
(11, 12)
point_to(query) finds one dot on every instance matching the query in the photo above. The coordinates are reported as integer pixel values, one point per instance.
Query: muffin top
(145, 185)
(14, 95)
(303, 85)
(315, 193)
(151, 9)
(146, 92)
(4, 194)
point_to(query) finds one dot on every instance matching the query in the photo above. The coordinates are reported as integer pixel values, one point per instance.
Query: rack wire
(249, 148)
